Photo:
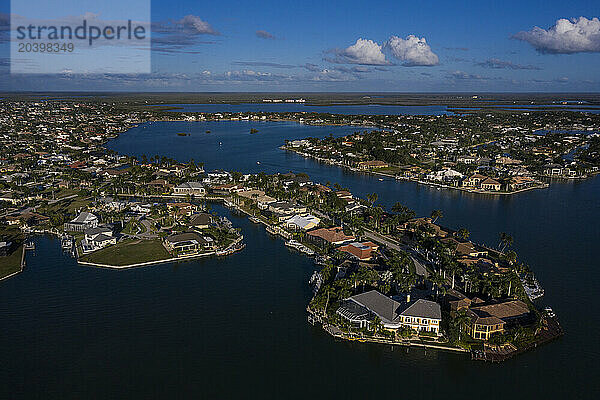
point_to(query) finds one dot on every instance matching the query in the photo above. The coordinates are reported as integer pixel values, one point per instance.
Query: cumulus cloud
(264, 35)
(178, 36)
(413, 51)
(196, 25)
(496, 63)
(565, 37)
(364, 51)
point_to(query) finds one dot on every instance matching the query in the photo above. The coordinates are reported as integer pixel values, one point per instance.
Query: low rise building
(85, 220)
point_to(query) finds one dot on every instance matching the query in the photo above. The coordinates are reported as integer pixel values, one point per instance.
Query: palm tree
(436, 214)
(463, 233)
(404, 213)
(461, 319)
(505, 240)
(372, 198)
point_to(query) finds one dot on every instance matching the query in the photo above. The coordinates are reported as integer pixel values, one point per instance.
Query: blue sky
(427, 46)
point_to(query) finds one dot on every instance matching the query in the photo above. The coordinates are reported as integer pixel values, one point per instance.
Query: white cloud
(364, 51)
(566, 36)
(413, 51)
(197, 25)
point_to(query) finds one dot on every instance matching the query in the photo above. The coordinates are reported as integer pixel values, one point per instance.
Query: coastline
(417, 181)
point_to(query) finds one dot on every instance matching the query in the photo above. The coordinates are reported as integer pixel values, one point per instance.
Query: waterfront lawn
(12, 262)
(391, 170)
(129, 252)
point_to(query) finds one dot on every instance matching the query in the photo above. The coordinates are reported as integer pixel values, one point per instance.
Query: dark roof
(200, 219)
(97, 230)
(183, 237)
(354, 311)
(424, 309)
(102, 238)
(385, 307)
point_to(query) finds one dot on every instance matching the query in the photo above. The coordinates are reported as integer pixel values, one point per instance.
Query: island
(381, 275)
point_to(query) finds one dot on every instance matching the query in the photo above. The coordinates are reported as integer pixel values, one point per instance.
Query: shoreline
(417, 181)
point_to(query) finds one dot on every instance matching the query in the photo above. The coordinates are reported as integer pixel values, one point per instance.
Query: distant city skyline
(352, 46)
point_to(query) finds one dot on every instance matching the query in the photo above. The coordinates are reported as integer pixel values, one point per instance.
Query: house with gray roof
(420, 316)
(191, 188)
(85, 220)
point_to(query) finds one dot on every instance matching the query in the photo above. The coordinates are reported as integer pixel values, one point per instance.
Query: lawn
(12, 262)
(129, 252)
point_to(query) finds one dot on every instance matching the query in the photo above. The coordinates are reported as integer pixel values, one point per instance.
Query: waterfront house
(520, 182)
(362, 308)
(188, 243)
(465, 248)
(361, 251)
(474, 180)
(302, 223)
(201, 221)
(420, 316)
(283, 209)
(331, 236)
(97, 238)
(367, 165)
(490, 184)
(445, 175)
(190, 188)
(486, 320)
(261, 199)
(85, 220)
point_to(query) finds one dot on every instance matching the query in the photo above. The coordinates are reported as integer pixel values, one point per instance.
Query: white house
(191, 188)
(302, 223)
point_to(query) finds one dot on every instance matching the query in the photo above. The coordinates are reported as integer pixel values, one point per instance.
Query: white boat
(550, 312)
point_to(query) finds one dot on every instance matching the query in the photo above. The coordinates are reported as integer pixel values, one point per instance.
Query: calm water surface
(236, 327)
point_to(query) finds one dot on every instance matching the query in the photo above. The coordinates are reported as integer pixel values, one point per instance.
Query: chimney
(408, 298)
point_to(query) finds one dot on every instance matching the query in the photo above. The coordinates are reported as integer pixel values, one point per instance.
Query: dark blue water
(370, 109)
(229, 145)
(235, 327)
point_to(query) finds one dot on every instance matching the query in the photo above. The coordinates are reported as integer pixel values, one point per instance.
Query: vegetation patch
(129, 252)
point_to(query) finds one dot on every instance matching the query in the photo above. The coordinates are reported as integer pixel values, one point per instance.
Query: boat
(258, 162)
(321, 260)
(381, 179)
(254, 219)
(549, 312)
(29, 245)
(66, 242)
(294, 244)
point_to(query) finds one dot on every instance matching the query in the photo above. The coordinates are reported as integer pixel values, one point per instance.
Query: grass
(11, 263)
(392, 170)
(129, 252)
(134, 227)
